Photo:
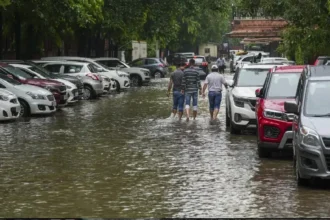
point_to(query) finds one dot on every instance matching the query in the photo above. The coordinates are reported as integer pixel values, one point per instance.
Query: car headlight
(68, 87)
(239, 102)
(309, 137)
(4, 98)
(35, 96)
(146, 73)
(275, 115)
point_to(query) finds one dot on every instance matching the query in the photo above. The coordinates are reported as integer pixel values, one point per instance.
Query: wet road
(122, 156)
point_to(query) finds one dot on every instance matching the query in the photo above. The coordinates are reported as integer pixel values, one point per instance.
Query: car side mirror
(258, 93)
(291, 107)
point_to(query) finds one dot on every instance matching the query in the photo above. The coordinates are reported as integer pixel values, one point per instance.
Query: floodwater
(123, 156)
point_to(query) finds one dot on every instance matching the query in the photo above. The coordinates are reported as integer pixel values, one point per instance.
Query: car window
(137, 62)
(17, 72)
(247, 59)
(151, 61)
(40, 72)
(251, 77)
(197, 59)
(72, 68)
(29, 73)
(7, 79)
(283, 85)
(316, 102)
(54, 68)
(93, 68)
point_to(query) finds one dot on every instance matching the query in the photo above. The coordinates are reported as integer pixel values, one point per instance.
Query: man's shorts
(215, 100)
(178, 101)
(194, 97)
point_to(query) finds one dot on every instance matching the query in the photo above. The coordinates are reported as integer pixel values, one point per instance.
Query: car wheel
(136, 81)
(158, 75)
(232, 128)
(117, 86)
(25, 109)
(300, 181)
(88, 92)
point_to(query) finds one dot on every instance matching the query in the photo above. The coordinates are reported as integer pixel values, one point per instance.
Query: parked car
(157, 66)
(58, 89)
(9, 105)
(180, 58)
(247, 59)
(72, 90)
(274, 125)
(121, 78)
(241, 99)
(138, 76)
(200, 61)
(321, 60)
(311, 133)
(32, 99)
(93, 86)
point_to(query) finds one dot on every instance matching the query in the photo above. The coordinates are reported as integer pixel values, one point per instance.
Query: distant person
(214, 81)
(175, 84)
(221, 64)
(190, 86)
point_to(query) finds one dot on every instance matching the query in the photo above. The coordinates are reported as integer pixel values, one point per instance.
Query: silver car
(92, 81)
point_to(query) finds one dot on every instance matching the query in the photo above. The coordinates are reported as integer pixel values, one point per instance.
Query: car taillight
(93, 76)
(316, 62)
(204, 64)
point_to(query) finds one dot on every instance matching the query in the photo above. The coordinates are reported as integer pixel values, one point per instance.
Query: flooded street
(123, 156)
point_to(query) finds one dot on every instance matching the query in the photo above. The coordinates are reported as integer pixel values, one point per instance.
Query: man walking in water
(221, 64)
(178, 97)
(214, 81)
(190, 86)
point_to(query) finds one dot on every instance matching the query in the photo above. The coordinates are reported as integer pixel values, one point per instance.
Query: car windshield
(252, 77)
(42, 73)
(197, 59)
(317, 102)
(283, 85)
(17, 72)
(7, 79)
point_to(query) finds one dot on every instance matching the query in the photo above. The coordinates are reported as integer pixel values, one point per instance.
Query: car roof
(67, 57)
(105, 58)
(289, 69)
(12, 61)
(323, 57)
(66, 62)
(20, 65)
(258, 66)
(319, 71)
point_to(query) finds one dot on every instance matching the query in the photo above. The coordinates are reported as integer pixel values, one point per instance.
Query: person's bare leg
(174, 112)
(211, 114)
(194, 114)
(187, 112)
(180, 114)
(215, 113)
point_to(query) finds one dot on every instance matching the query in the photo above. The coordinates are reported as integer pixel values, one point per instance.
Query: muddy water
(122, 156)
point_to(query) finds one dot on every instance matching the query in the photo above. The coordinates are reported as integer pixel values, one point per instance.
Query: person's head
(191, 62)
(214, 68)
(181, 66)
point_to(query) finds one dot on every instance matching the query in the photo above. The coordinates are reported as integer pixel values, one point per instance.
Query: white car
(71, 89)
(241, 98)
(273, 59)
(138, 76)
(121, 78)
(32, 99)
(247, 59)
(9, 106)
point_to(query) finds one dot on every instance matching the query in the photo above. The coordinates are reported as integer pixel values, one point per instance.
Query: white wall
(139, 49)
(213, 50)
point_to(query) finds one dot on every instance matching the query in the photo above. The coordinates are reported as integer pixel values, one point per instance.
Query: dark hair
(215, 69)
(192, 62)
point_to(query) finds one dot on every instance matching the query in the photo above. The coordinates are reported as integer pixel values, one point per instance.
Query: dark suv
(157, 66)
(58, 89)
(311, 133)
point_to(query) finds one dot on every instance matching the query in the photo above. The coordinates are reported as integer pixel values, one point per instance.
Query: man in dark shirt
(178, 97)
(190, 86)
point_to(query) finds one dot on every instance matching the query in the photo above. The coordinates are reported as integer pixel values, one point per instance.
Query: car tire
(227, 118)
(232, 128)
(262, 152)
(89, 93)
(136, 81)
(300, 181)
(25, 108)
(117, 86)
(158, 73)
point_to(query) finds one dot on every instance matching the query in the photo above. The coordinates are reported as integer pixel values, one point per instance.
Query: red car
(274, 125)
(58, 89)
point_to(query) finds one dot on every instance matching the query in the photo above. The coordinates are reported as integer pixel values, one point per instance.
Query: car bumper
(125, 83)
(73, 96)
(243, 118)
(10, 112)
(61, 100)
(98, 88)
(284, 144)
(42, 107)
(146, 80)
(313, 163)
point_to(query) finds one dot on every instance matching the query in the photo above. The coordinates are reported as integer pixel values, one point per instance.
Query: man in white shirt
(214, 81)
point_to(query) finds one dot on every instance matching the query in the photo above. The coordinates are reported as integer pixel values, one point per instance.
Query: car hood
(133, 69)
(34, 89)
(42, 82)
(245, 92)
(320, 125)
(67, 83)
(5, 92)
(275, 104)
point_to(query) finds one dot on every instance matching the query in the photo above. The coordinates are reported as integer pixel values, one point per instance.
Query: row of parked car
(290, 110)
(29, 87)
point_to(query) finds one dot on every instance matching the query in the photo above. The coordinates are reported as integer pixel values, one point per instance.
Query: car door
(72, 70)
(150, 64)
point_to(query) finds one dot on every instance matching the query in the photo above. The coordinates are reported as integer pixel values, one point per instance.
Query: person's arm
(224, 82)
(205, 86)
(169, 87)
(183, 84)
(199, 83)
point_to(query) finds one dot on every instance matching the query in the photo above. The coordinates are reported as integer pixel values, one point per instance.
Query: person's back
(215, 81)
(177, 77)
(191, 80)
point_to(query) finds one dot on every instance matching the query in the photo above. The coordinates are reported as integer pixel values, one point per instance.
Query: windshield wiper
(320, 116)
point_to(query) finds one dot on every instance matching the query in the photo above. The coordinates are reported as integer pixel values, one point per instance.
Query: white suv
(9, 106)
(241, 98)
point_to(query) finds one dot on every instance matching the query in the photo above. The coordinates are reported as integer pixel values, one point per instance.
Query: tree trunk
(17, 24)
